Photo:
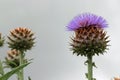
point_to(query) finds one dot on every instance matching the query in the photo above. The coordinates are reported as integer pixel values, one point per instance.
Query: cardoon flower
(21, 39)
(1, 40)
(12, 59)
(90, 38)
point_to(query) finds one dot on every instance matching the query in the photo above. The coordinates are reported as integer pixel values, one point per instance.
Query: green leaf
(9, 74)
(94, 79)
(93, 64)
(29, 78)
(86, 74)
(86, 62)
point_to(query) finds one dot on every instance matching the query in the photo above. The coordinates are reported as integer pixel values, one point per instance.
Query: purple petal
(86, 20)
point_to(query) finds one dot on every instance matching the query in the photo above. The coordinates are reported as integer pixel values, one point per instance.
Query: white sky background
(47, 18)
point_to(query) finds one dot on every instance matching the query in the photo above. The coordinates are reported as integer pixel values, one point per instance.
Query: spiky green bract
(21, 39)
(89, 41)
(12, 63)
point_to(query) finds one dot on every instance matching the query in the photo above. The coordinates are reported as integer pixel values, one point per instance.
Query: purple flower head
(86, 20)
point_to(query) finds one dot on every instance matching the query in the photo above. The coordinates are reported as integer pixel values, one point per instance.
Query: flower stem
(1, 68)
(21, 72)
(90, 68)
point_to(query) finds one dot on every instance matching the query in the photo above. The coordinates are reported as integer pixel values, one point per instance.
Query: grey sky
(47, 18)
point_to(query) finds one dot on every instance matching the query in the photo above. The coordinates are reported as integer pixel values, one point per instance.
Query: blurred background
(53, 59)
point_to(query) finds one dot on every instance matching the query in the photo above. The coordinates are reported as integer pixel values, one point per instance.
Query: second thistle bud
(12, 59)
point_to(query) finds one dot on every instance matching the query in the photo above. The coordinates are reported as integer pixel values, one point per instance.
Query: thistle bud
(90, 37)
(12, 59)
(21, 39)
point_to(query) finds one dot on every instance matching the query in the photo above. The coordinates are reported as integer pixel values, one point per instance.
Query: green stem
(21, 72)
(1, 68)
(90, 68)
(18, 75)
